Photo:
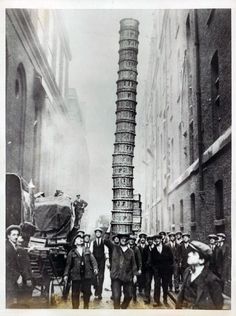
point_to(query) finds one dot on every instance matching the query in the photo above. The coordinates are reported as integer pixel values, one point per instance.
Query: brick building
(41, 139)
(188, 124)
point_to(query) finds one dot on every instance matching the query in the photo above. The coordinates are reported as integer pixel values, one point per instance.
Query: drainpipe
(198, 99)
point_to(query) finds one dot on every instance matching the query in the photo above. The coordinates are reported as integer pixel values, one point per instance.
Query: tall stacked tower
(122, 213)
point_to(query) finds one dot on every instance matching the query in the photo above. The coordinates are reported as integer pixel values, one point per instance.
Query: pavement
(106, 302)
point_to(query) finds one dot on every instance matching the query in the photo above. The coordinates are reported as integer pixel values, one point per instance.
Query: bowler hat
(142, 235)
(132, 237)
(157, 236)
(98, 229)
(178, 233)
(221, 235)
(115, 236)
(202, 248)
(12, 227)
(212, 236)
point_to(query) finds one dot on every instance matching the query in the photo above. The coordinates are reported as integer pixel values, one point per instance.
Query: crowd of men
(195, 271)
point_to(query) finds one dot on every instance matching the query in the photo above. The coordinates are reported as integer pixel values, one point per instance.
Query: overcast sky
(94, 43)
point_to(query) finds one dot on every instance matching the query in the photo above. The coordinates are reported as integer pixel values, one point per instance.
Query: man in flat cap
(79, 207)
(201, 288)
(162, 262)
(141, 277)
(215, 262)
(183, 253)
(138, 260)
(101, 254)
(13, 268)
(147, 269)
(224, 264)
(80, 267)
(175, 251)
(123, 272)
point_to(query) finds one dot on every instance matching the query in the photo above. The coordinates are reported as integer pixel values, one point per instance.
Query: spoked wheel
(51, 294)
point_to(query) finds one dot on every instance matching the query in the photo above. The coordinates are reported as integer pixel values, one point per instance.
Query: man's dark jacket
(209, 291)
(13, 270)
(73, 265)
(162, 262)
(123, 265)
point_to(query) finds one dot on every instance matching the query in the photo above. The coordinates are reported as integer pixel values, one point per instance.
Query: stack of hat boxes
(123, 203)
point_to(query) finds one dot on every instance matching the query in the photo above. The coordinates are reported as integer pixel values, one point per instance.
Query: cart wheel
(51, 296)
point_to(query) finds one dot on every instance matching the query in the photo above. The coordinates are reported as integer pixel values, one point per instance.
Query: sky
(94, 42)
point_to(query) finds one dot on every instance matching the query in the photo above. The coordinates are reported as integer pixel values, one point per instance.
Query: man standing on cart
(79, 206)
(80, 266)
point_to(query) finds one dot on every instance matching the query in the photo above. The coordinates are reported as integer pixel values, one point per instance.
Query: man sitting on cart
(80, 266)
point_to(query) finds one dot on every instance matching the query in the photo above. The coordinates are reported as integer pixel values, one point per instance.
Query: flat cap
(214, 236)
(132, 237)
(98, 229)
(87, 235)
(12, 227)
(221, 235)
(186, 234)
(178, 233)
(115, 236)
(171, 234)
(77, 235)
(157, 236)
(162, 233)
(149, 238)
(142, 235)
(80, 232)
(200, 247)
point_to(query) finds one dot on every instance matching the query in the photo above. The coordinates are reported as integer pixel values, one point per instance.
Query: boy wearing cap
(80, 266)
(13, 268)
(201, 288)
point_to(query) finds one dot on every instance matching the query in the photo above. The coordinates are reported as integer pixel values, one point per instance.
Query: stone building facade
(39, 133)
(187, 124)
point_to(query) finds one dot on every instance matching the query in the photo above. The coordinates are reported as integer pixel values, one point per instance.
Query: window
(173, 214)
(181, 217)
(193, 210)
(191, 138)
(219, 200)
(215, 95)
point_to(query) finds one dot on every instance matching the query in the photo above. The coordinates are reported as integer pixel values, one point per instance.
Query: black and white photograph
(118, 165)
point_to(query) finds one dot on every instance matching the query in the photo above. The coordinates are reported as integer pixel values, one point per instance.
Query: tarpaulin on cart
(53, 216)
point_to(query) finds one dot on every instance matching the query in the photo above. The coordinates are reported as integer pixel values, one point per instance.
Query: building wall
(39, 134)
(173, 131)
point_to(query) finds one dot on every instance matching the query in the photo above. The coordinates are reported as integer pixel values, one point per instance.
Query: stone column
(122, 213)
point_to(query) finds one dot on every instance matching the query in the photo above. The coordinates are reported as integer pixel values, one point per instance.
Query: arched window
(20, 103)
